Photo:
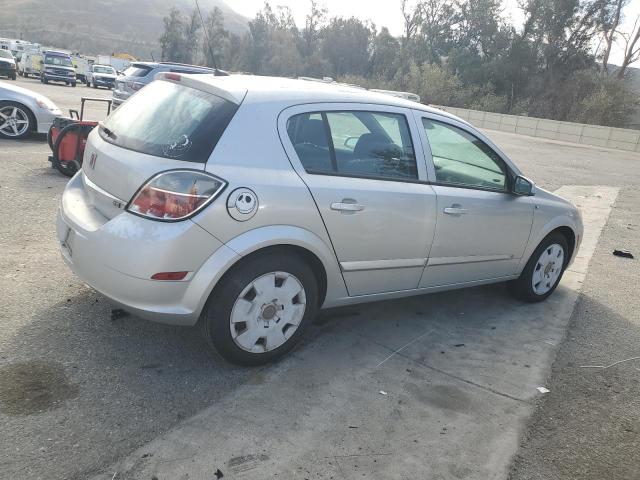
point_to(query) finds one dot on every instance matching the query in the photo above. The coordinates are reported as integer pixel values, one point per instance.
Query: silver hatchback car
(244, 204)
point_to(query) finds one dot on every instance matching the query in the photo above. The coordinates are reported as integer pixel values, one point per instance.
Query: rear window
(137, 71)
(169, 120)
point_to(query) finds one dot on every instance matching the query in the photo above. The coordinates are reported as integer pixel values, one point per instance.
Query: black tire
(73, 84)
(215, 320)
(522, 288)
(30, 118)
(14, 77)
(45, 81)
(94, 85)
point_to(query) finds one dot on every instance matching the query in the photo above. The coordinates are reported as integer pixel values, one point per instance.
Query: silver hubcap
(547, 269)
(13, 121)
(267, 312)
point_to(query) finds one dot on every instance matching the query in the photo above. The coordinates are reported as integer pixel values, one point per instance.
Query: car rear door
(359, 163)
(482, 228)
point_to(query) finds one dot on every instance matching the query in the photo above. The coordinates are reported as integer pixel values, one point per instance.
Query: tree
(631, 48)
(346, 46)
(610, 16)
(216, 38)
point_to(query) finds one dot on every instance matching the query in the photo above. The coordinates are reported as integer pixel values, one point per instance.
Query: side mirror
(522, 186)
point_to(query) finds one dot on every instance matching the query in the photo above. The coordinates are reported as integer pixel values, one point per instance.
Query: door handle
(455, 210)
(347, 207)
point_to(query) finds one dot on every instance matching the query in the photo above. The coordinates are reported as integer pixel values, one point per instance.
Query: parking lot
(442, 386)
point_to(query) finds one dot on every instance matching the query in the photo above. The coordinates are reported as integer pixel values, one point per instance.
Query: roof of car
(172, 64)
(262, 89)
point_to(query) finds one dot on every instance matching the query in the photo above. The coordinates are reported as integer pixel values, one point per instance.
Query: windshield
(58, 60)
(171, 121)
(5, 54)
(101, 69)
(136, 70)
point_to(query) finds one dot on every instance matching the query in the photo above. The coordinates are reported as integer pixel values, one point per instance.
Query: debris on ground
(623, 253)
(459, 345)
(118, 313)
(218, 474)
(382, 392)
(543, 390)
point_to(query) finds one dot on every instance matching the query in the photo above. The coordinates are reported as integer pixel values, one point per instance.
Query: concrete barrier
(609, 137)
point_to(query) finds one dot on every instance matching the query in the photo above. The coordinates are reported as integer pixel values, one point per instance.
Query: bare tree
(412, 19)
(631, 48)
(610, 21)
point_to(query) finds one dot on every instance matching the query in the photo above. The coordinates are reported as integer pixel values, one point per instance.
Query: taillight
(135, 86)
(175, 195)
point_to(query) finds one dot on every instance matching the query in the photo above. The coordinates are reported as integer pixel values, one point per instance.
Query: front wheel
(16, 120)
(261, 309)
(543, 271)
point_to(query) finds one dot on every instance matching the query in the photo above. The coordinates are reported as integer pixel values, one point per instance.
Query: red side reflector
(176, 77)
(169, 276)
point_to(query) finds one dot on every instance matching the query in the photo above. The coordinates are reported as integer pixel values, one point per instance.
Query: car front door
(482, 228)
(360, 167)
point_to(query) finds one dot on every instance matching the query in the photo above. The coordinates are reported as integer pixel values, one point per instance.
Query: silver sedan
(23, 112)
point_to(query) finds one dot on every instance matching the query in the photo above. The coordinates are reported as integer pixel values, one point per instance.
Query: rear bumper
(118, 256)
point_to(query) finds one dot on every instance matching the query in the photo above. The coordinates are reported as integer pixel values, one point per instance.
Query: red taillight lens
(175, 195)
(176, 77)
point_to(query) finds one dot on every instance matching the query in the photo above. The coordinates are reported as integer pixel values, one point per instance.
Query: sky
(387, 13)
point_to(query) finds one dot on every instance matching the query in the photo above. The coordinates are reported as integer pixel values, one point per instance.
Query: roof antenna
(206, 34)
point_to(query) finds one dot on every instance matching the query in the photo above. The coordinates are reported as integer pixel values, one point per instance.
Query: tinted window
(58, 60)
(101, 69)
(171, 121)
(462, 159)
(137, 70)
(364, 144)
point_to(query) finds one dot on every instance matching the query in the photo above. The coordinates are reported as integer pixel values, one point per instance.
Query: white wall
(619, 138)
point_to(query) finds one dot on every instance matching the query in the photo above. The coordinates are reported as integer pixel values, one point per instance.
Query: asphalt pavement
(85, 396)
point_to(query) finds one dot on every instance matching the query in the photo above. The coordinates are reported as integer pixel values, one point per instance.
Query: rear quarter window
(169, 120)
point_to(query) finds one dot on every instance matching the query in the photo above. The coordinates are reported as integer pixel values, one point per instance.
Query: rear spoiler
(192, 80)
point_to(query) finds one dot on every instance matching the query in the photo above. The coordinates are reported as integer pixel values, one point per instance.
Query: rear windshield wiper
(108, 132)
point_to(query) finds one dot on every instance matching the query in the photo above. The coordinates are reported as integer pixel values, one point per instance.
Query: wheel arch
(285, 238)
(563, 225)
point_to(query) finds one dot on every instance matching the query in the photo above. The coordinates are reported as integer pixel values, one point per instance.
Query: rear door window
(354, 143)
(169, 120)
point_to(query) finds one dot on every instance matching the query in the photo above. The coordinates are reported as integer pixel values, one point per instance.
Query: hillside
(101, 26)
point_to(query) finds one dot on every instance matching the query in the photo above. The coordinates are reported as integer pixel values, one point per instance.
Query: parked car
(23, 112)
(101, 76)
(30, 63)
(139, 74)
(244, 204)
(7, 64)
(57, 67)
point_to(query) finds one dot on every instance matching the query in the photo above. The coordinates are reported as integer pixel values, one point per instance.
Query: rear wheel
(16, 120)
(543, 271)
(261, 309)
(14, 77)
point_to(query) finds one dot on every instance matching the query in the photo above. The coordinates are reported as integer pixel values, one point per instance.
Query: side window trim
(508, 170)
(332, 147)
